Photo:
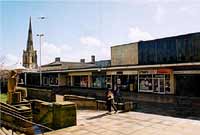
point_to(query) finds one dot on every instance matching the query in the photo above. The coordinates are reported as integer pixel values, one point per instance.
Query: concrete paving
(91, 122)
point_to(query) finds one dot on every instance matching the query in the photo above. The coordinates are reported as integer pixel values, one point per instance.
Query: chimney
(82, 61)
(57, 59)
(93, 59)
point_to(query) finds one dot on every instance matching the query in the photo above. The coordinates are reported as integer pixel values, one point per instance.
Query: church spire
(30, 55)
(30, 38)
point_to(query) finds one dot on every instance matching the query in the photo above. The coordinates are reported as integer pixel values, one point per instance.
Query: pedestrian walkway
(91, 122)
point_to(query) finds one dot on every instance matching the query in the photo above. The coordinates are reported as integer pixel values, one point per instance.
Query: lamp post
(40, 36)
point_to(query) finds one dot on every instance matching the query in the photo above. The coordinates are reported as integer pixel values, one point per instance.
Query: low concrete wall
(41, 94)
(101, 105)
(42, 112)
(126, 106)
(82, 102)
(64, 114)
(91, 103)
(54, 115)
(126, 95)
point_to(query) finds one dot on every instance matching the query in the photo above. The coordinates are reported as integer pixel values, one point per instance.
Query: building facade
(168, 66)
(30, 55)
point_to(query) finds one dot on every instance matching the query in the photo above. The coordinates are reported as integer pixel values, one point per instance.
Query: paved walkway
(129, 123)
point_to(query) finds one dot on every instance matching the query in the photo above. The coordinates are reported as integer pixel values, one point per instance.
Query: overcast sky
(76, 29)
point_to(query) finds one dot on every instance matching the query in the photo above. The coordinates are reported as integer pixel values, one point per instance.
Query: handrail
(8, 107)
(22, 118)
(30, 122)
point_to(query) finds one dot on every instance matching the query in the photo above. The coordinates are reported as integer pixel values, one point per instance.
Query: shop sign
(148, 72)
(164, 71)
(159, 71)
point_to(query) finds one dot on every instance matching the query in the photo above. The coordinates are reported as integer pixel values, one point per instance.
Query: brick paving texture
(91, 122)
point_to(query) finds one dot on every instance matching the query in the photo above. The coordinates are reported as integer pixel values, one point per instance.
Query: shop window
(167, 84)
(53, 80)
(45, 80)
(84, 81)
(108, 82)
(145, 83)
(98, 82)
(156, 83)
(76, 80)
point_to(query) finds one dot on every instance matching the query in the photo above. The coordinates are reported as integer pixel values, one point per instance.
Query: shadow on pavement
(98, 116)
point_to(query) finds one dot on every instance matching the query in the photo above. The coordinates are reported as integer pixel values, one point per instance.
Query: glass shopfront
(50, 79)
(155, 81)
(125, 82)
(98, 81)
(80, 81)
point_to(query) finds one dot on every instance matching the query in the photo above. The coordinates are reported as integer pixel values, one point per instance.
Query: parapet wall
(91, 103)
(41, 94)
(55, 115)
(81, 101)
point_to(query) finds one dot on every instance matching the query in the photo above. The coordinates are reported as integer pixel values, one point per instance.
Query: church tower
(30, 55)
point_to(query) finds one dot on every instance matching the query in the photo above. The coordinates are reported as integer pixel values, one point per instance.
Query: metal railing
(34, 128)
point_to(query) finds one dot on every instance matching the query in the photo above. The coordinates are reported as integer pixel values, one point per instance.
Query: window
(156, 83)
(145, 83)
(98, 82)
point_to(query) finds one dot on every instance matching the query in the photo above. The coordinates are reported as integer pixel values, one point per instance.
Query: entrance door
(159, 84)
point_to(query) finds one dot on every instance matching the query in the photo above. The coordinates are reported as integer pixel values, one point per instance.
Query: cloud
(164, 1)
(170, 1)
(50, 51)
(95, 46)
(88, 46)
(159, 14)
(90, 41)
(191, 10)
(136, 34)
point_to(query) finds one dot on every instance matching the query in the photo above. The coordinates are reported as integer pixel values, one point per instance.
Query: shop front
(156, 81)
(79, 79)
(124, 80)
(50, 79)
(98, 80)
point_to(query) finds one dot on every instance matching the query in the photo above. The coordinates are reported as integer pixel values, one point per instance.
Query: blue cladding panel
(179, 49)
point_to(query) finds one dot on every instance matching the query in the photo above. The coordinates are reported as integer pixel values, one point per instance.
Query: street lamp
(40, 36)
(42, 17)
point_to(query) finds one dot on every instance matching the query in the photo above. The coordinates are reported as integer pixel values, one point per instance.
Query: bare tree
(2, 61)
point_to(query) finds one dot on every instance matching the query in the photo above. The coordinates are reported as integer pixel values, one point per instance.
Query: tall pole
(40, 36)
(40, 61)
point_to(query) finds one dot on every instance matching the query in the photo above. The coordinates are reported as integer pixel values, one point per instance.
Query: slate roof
(57, 65)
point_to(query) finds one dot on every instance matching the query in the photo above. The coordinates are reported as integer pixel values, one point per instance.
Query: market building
(162, 66)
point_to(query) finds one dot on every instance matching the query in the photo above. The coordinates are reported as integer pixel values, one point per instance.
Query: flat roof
(127, 67)
(176, 36)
